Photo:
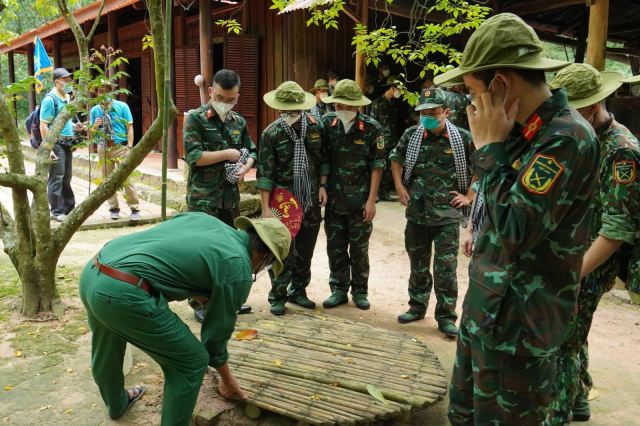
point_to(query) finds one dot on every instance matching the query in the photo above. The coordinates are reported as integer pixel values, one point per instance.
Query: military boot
(277, 308)
(581, 411)
(303, 301)
(360, 299)
(410, 316)
(449, 329)
(337, 298)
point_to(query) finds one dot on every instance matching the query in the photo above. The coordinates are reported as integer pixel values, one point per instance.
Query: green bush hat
(273, 233)
(502, 41)
(632, 80)
(289, 96)
(320, 84)
(585, 85)
(432, 98)
(347, 92)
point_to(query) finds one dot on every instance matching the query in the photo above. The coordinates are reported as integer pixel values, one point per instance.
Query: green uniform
(353, 157)
(275, 170)
(524, 274)
(207, 189)
(616, 217)
(385, 112)
(191, 254)
(318, 110)
(457, 105)
(432, 220)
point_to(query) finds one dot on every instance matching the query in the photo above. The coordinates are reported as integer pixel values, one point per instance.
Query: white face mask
(386, 73)
(347, 118)
(291, 119)
(397, 94)
(222, 108)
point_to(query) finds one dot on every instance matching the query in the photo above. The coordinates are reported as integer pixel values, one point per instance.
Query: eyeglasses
(290, 114)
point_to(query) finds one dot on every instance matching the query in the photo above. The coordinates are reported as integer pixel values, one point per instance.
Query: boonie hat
(273, 233)
(320, 84)
(347, 92)
(289, 96)
(585, 85)
(502, 41)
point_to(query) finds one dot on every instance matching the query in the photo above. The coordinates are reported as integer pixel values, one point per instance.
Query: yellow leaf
(278, 363)
(68, 411)
(46, 407)
(18, 354)
(404, 376)
(247, 334)
(8, 387)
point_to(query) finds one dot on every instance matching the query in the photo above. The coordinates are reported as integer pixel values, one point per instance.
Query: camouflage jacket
(204, 131)
(275, 157)
(385, 112)
(434, 175)
(353, 156)
(538, 187)
(457, 105)
(617, 208)
(318, 110)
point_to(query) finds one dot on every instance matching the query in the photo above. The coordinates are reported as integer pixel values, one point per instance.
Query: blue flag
(41, 62)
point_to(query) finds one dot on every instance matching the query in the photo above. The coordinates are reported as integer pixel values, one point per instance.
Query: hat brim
(335, 100)
(429, 106)
(308, 103)
(452, 83)
(313, 90)
(611, 82)
(244, 223)
(67, 75)
(632, 80)
(534, 63)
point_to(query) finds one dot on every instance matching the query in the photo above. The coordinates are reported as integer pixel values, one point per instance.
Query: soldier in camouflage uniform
(384, 109)
(278, 156)
(614, 229)
(428, 195)
(320, 90)
(213, 137)
(457, 103)
(356, 153)
(536, 159)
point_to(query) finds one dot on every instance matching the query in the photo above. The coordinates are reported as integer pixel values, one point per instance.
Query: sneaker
(336, 299)
(60, 217)
(303, 301)
(361, 301)
(410, 316)
(449, 329)
(115, 215)
(277, 308)
(135, 215)
(581, 411)
(244, 309)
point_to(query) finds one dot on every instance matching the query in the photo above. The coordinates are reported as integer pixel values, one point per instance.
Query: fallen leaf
(349, 360)
(46, 407)
(70, 370)
(8, 387)
(594, 394)
(247, 334)
(348, 345)
(315, 397)
(68, 411)
(404, 376)
(375, 392)
(335, 384)
(278, 363)
(18, 354)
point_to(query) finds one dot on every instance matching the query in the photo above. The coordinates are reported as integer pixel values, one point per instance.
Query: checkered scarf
(230, 169)
(301, 182)
(477, 214)
(459, 158)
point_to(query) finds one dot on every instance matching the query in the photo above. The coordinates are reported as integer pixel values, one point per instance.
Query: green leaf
(375, 392)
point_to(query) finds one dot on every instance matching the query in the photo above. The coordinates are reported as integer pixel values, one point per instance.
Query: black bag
(33, 123)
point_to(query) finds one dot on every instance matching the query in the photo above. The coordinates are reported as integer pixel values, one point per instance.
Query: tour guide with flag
(126, 288)
(434, 188)
(536, 159)
(41, 63)
(292, 156)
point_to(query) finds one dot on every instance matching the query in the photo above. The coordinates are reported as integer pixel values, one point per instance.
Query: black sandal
(132, 400)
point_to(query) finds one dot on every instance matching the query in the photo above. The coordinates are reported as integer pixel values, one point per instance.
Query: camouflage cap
(585, 85)
(632, 80)
(432, 98)
(320, 84)
(347, 92)
(502, 41)
(289, 96)
(273, 233)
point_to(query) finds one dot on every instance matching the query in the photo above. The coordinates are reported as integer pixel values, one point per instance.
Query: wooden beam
(627, 27)
(57, 53)
(536, 6)
(597, 38)
(112, 36)
(361, 67)
(206, 63)
(581, 47)
(31, 71)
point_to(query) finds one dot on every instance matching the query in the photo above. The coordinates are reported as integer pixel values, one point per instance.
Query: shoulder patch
(380, 142)
(236, 132)
(624, 171)
(359, 141)
(542, 174)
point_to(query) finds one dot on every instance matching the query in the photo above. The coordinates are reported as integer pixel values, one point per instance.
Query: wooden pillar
(598, 29)
(31, 71)
(112, 36)
(206, 63)
(12, 78)
(361, 67)
(581, 46)
(172, 154)
(57, 52)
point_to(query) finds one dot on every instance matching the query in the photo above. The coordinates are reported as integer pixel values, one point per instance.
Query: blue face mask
(429, 122)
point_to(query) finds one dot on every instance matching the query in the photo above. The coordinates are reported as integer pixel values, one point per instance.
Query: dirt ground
(44, 367)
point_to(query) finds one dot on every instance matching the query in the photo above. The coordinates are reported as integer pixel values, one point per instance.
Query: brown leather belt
(123, 276)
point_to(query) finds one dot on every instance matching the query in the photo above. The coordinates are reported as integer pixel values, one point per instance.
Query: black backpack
(33, 123)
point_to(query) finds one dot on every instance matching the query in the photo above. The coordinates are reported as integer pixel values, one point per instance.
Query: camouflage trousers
(225, 215)
(386, 181)
(348, 251)
(490, 387)
(296, 275)
(574, 380)
(418, 240)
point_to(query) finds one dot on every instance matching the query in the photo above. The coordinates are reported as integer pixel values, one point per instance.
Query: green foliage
(147, 42)
(231, 25)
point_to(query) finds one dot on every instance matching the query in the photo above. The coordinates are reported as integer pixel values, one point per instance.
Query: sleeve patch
(380, 142)
(542, 174)
(624, 171)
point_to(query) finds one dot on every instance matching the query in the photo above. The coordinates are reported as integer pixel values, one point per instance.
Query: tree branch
(96, 21)
(7, 230)
(15, 180)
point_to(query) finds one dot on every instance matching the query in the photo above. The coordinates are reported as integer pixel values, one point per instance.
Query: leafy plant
(231, 25)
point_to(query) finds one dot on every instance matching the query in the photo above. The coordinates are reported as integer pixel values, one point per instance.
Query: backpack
(33, 123)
